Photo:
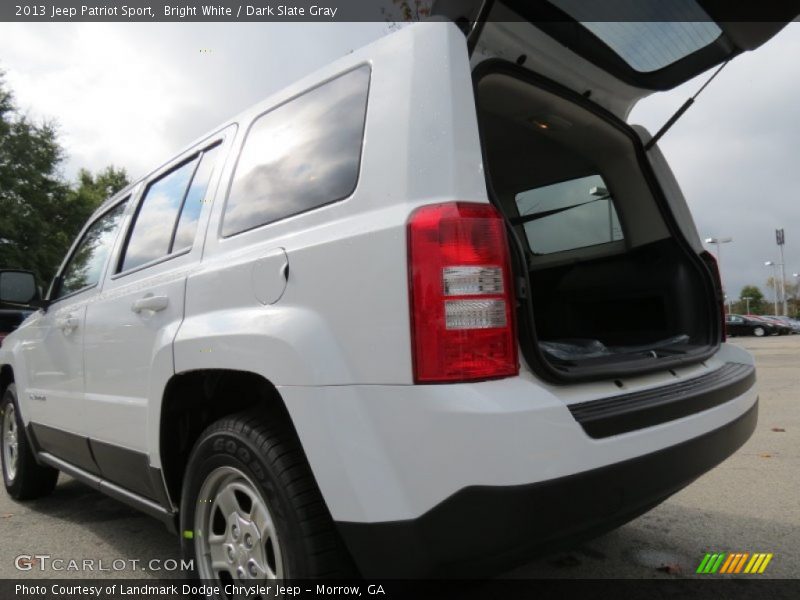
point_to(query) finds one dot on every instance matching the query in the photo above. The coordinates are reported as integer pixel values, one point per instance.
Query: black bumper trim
(629, 412)
(485, 529)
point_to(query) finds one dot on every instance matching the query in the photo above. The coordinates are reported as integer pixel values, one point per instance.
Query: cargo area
(612, 287)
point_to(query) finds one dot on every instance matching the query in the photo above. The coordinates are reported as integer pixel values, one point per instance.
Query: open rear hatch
(612, 281)
(617, 51)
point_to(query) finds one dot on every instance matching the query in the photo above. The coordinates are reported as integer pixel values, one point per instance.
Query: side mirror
(18, 287)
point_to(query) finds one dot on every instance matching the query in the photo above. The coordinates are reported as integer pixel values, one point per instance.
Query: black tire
(264, 447)
(30, 480)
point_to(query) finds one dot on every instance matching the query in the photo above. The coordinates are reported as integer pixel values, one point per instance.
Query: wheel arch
(193, 400)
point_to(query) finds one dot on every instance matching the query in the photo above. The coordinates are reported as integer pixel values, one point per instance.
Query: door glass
(85, 267)
(152, 230)
(192, 206)
(570, 214)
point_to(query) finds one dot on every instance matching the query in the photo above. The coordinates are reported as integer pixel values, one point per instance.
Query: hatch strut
(679, 113)
(477, 25)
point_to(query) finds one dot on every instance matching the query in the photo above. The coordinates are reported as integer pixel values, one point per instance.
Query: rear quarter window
(301, 155)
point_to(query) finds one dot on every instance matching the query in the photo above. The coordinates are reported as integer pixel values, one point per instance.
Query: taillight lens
(714, 267)
(462, 301)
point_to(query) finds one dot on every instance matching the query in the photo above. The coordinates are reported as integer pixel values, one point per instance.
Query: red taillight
(462, 301)
(712, 264)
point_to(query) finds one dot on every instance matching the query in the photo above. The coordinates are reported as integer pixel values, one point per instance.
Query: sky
(134, 94)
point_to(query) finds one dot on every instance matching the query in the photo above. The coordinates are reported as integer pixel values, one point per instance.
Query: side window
(85, 267)
(301, 155)
(570, 214)
(195, 197)
(166, 220)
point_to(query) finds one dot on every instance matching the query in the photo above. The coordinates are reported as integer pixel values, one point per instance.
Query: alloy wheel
(234, 532)
(10, 442)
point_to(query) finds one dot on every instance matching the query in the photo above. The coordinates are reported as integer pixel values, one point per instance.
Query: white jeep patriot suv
(434, 306)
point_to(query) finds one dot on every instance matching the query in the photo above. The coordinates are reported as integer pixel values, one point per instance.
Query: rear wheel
(758, 332)
(23, 477)
(251, 509)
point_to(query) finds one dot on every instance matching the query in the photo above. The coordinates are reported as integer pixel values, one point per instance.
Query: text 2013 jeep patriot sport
(425, 309)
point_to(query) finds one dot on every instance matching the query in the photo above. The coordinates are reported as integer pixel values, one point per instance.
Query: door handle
(67, 323)
(153, 303)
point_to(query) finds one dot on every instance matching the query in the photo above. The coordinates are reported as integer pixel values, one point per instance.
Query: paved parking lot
(750, 503)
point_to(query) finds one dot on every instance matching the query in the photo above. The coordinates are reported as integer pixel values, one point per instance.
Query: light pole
(747, 299)
(774, 266)
(780, 238)
(717, 242)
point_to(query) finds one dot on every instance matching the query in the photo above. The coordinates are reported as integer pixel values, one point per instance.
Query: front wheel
(251, 509)
(23, 477)
(759, 332)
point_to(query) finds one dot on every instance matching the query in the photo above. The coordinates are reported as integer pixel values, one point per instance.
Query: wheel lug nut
(241, 573)
(252, 568)
(248, 540)
(235, 531)
(230, 554)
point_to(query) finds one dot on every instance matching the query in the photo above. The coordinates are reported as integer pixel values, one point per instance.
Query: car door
(735, 325)
(52, 346)
(130, 328)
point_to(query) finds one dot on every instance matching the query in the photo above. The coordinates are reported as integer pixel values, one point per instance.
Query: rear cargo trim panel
(629, 412)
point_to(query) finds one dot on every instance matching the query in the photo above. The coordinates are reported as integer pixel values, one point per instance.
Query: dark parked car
(749, 325)
(782, 328)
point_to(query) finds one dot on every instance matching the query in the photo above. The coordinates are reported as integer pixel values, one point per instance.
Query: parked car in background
(781, 327)
(748, 325)
(793, 324)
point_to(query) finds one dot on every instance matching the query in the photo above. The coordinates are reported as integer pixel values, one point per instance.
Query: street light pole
(780, 239)
(774, 266)
(783, 282)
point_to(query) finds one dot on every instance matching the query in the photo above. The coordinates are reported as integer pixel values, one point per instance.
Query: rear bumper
(492, 527)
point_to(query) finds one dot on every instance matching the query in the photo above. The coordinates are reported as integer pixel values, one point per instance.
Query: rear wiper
(679, 113)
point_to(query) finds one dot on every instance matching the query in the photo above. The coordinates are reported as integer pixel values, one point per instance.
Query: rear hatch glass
(617, 51)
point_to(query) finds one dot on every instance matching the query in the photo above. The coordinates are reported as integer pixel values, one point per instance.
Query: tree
(31, 193)
(756, 300)
(93, 189)
(90, 193)
(791, 290)
(40, 214)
